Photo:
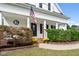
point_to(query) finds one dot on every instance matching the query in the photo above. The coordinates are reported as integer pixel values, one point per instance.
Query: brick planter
(24, 36)
(3, 42)
(1, 33)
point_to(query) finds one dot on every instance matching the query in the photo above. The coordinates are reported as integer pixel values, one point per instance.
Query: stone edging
(60, 46)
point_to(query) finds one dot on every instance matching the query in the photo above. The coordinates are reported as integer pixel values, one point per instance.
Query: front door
(34, 29)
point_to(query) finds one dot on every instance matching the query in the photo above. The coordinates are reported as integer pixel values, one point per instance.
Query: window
(16, 22)
(49, 6)
(40, 5)
(41, 28)
(34, 29)
(52, 26)
(47, 26)
(61, 13)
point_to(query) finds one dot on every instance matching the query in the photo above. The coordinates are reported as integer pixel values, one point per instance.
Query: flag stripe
(32, 14)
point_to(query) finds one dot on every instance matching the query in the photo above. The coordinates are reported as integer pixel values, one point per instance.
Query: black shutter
(34, 29)
(49, 6)
(40, 5)
(41, 28)
(47, 26)
(51, 26)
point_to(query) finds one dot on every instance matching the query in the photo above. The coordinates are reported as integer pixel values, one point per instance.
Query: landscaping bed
(15, 36)
(17, 48)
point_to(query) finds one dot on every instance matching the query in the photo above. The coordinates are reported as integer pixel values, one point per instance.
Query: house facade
(48, 15)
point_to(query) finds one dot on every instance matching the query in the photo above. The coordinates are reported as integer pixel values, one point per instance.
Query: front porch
(17, 20)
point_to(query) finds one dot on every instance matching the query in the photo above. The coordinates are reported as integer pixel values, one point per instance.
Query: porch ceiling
(13, 15)
(9, 15)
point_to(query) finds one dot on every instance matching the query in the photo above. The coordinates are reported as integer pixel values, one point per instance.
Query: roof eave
(27, 5)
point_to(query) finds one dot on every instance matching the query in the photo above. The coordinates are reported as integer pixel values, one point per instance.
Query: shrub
(34, 40)
(61, 35)
(45, 40)
(74, 34)
(23, 36)
(52, 34)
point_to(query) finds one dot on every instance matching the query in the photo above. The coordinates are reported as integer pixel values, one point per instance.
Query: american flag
(32, 14)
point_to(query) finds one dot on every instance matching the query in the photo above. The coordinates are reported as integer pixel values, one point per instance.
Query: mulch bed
(16, 48)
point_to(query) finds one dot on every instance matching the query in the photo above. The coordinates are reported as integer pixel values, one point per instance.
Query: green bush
(51, 36)
(60, 35)
(74, 34)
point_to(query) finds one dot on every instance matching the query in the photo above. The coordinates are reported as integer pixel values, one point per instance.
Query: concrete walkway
(60, 46)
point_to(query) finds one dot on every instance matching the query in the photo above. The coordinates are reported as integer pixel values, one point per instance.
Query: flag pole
(32, 14)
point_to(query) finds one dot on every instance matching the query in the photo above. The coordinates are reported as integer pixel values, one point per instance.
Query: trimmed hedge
(23, 35)
(60, 35)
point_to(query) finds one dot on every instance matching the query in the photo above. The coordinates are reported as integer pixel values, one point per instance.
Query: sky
(71, 10)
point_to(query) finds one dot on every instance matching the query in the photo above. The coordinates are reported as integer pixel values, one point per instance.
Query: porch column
(45, 33)
(28, 22)
(1, 21)
(65, 26)
(56, 25)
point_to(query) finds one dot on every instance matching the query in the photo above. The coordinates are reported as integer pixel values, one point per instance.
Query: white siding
(45, 6)
(9, 22)
(0, 18)
(54, 8)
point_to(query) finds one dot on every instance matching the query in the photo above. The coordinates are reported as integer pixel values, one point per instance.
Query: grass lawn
(41, 52)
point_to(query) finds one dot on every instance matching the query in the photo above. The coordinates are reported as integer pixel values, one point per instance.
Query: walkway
(60, 46)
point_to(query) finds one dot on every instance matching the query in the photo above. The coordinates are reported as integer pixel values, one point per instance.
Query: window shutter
(49, 6)
(41, 28)
(40, 5)
(47, 26)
